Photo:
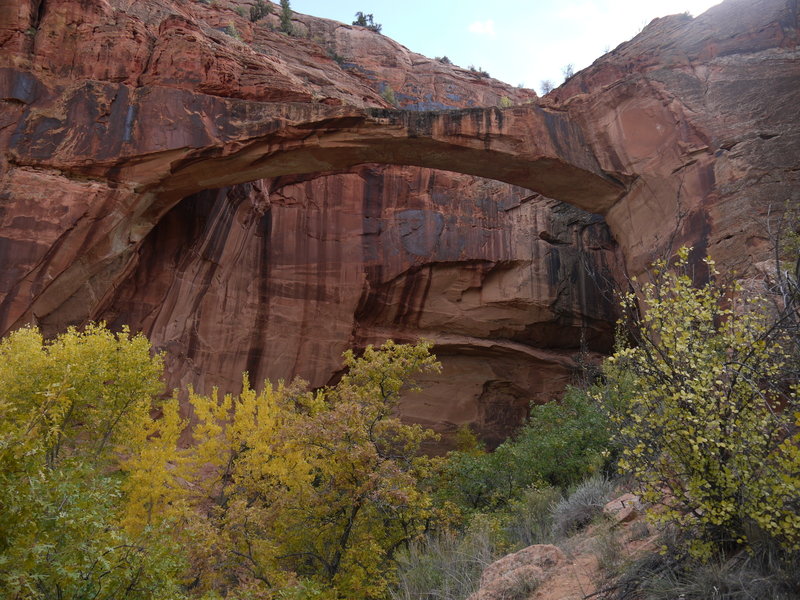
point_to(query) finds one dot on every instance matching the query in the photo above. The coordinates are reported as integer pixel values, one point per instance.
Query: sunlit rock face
(224, 196)
(704, 111)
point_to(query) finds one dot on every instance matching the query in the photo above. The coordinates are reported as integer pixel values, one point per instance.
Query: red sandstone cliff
(106, 103)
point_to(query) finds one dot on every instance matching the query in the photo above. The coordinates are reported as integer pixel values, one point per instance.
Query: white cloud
(483, 28)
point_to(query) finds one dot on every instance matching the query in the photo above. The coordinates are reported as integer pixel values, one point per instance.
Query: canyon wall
(704, 111)
(173, 166)
(281, 277)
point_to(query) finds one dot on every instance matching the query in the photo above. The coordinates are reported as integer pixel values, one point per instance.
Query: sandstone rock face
(279, 278)
(704, 111)
(173, 166)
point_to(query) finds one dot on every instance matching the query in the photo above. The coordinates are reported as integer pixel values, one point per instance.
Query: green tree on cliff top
(286, 17)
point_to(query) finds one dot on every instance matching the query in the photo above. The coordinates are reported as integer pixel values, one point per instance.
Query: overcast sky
(516, 41)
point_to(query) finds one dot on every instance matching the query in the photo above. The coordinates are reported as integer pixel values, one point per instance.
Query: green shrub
(230, 29)
(469, 480)
(259, 10)
(388, 95)
(368, 21)
(337, 58)
(478, 71)
(505, 102)
(529, 520)
(560, 444)
(286, 18)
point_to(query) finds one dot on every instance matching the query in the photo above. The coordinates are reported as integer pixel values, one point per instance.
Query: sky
(516, 41)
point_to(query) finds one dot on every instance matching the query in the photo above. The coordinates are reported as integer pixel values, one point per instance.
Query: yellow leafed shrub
(704, 407)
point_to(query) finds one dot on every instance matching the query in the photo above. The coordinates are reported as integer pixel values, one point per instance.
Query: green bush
(368, 21)
(230, 29)
(560, 444)
(478, 71)
(259, 10)
(388, 95)
(529, 520)
(286, 18)
(469, 480)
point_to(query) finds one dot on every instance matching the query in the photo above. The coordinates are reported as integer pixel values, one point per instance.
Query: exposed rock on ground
(623, 509)
(573, 569)
(517, 575)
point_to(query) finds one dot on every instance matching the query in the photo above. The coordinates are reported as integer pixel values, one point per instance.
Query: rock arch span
(155, 146)
(526, 146)
(174, 143)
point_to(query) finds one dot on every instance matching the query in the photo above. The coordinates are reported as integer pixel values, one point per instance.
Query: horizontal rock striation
(216, 184)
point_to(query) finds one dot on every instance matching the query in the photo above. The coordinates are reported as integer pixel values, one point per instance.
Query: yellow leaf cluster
(702, 409)
(70, 408)
(286, 485)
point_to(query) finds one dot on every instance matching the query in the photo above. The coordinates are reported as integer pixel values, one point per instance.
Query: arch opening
(278, 277)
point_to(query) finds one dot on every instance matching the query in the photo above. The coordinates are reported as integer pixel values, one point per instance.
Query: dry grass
(584, 504)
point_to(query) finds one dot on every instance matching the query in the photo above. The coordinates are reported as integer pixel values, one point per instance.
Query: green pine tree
(286, 17)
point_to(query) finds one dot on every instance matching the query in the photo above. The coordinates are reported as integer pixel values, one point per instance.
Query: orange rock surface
(213, 182)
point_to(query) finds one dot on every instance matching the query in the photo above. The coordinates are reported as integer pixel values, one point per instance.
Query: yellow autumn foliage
(704, 410)
(68, 408)
(290, 489)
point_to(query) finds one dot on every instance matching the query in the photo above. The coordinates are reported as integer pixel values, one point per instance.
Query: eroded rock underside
(223, 195)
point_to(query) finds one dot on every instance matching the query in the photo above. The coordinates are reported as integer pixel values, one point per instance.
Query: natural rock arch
(168, 143)
(206, 142)
(106, 137)
(527, 146)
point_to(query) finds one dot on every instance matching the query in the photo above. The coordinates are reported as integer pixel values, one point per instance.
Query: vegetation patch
(368, 21)
(287, 492)
(259, 10)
